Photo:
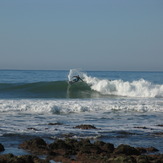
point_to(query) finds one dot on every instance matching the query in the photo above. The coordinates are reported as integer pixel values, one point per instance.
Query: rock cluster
(79, 151)
(10, 158)
(1, 148)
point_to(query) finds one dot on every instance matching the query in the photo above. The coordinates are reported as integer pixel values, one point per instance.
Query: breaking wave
(139, 88)
(92, 87)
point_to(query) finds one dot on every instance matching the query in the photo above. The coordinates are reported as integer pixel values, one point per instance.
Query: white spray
(138, 88)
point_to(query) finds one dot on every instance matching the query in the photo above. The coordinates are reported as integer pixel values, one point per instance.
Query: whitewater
(140, 88)
(119, 104)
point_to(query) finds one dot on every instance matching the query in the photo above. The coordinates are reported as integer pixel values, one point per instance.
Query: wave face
(92, 87)
(56, 89)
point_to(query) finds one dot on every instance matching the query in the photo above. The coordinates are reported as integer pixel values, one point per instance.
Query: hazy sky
(87, 34)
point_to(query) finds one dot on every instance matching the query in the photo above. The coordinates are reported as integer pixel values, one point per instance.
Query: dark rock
(85, 127)
(31, 128)
(90, 149)
(141, 150)
(59, 144)
(160, 125)
(6, 158)
(158, 134)
(152, 149)
(83, 142)
(156, 158)
(72, 150)
(61, 147)
(55, 123)
(147, 150)
(126, 149)
(141, 127)
(51, 153)
(142, 159)
(107, 147)
(10, 158)
(73, 143)
(35, 145)
(122, 159)
(1, 148)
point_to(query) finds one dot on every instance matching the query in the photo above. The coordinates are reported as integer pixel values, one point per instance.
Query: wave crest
(139, 88)
(92, 87)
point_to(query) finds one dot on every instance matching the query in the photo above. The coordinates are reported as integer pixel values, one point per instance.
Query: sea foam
(77, 106)
(139, 88)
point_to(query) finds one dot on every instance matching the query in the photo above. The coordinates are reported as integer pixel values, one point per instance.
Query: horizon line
(81, 70)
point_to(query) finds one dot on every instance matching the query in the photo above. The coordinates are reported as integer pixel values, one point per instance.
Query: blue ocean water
(31, 76)
(54, 84)
(126, 107)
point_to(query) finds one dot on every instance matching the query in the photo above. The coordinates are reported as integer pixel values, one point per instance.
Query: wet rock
(1, 148)
(73, 150)
(152, 149)
(141, 150)
(141, 127)
(107, 147)
(90, 149)
(61, 147)
(126, 149)
(85, 127)
(10, 158)
(142, 159)
(156, 158)
(3, 157)
(75, 144)
(160, 125)
(90, 158)
(147, 150)
(35, 145)
(83, 142)
(31, 128)
(122, 159)
(59, 144)
(31, 159)
(55, 123)
(158, 134)
(7, 158)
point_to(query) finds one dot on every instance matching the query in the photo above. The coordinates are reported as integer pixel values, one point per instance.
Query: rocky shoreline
(81, 151)
(70, 150)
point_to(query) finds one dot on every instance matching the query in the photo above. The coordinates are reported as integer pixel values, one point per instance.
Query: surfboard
(71, 82)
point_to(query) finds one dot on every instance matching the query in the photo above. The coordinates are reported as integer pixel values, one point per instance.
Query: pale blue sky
(87, 34)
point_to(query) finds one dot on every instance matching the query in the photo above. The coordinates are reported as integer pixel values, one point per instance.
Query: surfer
(77, 78)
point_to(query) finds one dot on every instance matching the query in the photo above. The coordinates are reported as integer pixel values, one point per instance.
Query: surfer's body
(77, 78)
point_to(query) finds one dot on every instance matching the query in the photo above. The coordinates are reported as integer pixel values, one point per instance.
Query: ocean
(125, 107)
